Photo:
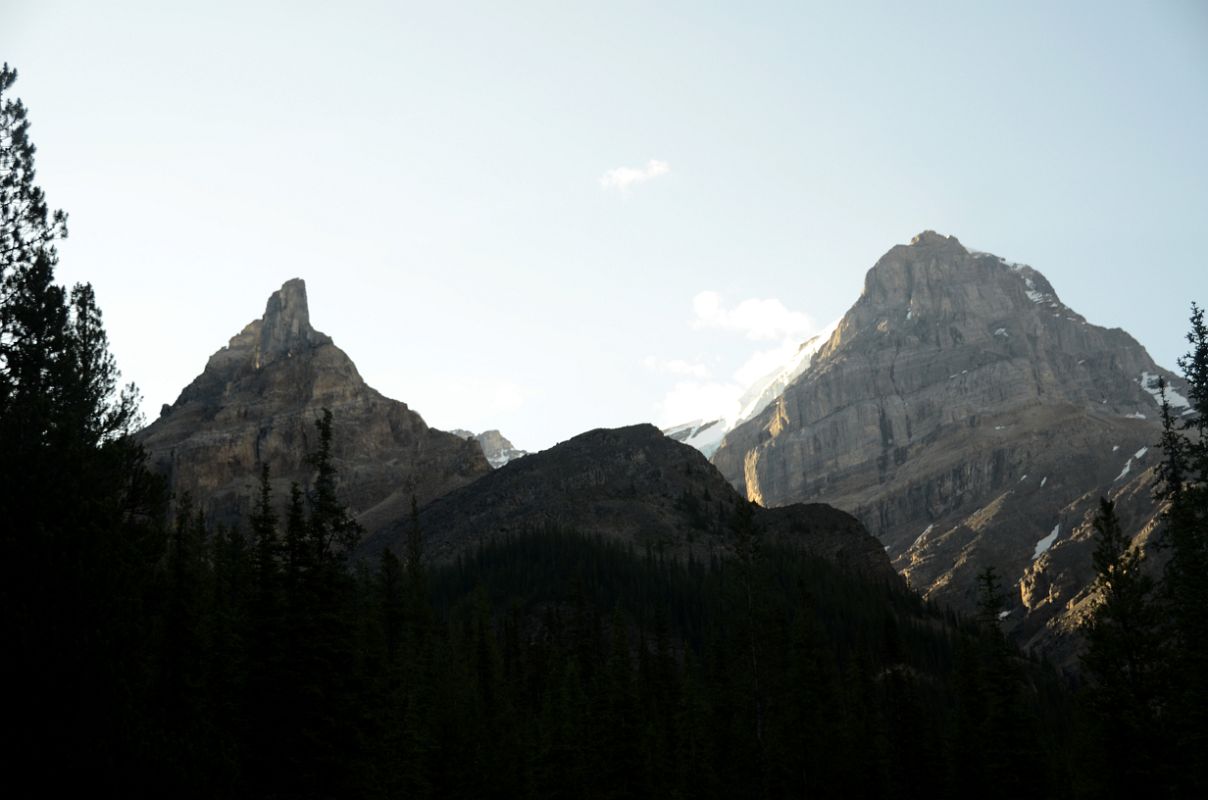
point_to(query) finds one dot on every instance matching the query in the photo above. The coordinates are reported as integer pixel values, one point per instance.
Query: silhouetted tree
(1184, 488)
(82, 516)
(1124, 648)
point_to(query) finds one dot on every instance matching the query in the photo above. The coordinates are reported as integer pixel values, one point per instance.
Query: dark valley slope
(631, 485)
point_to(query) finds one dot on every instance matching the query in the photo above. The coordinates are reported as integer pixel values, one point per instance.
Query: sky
(554, 216)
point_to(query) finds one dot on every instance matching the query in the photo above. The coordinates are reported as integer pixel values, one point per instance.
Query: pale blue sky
(433, 171)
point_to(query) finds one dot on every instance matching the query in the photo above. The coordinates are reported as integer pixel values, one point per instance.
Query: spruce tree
(333, 532)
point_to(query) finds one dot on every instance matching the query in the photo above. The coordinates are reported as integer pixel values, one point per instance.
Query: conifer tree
(333, 532)
(264, 534)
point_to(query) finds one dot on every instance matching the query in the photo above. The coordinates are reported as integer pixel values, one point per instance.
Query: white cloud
(756, 318)
(622, 178)
(762, 362)
(676, 366)
(693, 400)
(766, 320)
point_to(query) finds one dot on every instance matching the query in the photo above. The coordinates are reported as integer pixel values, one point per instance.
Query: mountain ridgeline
(633, 485)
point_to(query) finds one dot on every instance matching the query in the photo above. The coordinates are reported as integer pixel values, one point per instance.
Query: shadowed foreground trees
(551, 664)
(82, 528)
(1147, 653)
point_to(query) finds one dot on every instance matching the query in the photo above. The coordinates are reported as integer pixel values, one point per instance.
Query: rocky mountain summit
(632, 484)
(969, 418)
(257, 401)
(495, 446)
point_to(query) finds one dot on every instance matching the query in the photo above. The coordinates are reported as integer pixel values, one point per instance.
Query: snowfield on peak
(706, 435)
(760, 394)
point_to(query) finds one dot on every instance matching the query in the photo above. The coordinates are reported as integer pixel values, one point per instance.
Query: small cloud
(676, 366)
(622, 178)
(756, 318)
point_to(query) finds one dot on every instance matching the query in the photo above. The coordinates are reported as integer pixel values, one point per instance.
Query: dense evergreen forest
(152, 653)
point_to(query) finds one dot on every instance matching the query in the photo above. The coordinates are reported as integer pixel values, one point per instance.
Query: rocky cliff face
(634, 484)
(257, 401)
(969, 418)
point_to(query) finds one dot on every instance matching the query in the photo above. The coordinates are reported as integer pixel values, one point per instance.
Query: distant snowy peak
(760, 394)
(494, 444)
(706, 435)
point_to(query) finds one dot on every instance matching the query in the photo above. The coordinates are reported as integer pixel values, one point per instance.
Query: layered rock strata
(968, 418)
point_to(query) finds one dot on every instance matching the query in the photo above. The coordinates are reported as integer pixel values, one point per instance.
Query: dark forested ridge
(149, 652)
(632, 484)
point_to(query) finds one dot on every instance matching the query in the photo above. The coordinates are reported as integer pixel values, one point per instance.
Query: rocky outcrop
(632, 484)
(969, 418)
(257, 401)
(495, 446)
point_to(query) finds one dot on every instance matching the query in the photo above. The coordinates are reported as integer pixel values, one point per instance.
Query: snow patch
(1004, 614)
(919, 538)
(1033, 295)
(1123, 472)
(1149, 382)
(1024, 478)
(704, 435)
(1044, 544)
(1114, 449)
(1036, 296)
(1043, 481)
(1002, 332)
(1141, 453)
(1135, 415)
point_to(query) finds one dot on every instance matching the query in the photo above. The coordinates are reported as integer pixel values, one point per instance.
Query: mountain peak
(286, 322)
(255, 404)
(930, 238)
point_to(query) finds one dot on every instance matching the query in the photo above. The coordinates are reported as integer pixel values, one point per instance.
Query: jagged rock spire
(285, 327)
(256, 402)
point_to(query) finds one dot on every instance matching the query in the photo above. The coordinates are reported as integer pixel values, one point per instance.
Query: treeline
(542, 665)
